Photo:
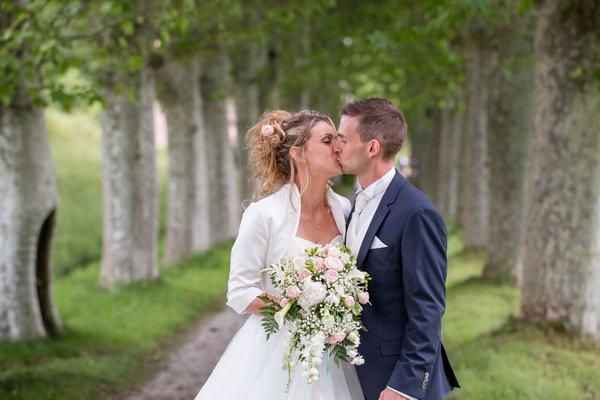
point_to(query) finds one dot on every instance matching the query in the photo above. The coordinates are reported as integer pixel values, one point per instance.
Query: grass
(111, 334)
(497, 357)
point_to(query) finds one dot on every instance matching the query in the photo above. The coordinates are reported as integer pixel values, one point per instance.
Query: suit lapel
(389, 197)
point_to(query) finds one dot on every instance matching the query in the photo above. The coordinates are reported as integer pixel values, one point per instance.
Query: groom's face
(350, 151)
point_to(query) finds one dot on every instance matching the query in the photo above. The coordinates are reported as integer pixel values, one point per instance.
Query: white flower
(352, 353)
(353, 337)
(345, 258)
(358, 361)
(328, 321)
(299, 263)
(334, 263)
(355, 273)
(334, 252)
(313, 294)
(332, 299)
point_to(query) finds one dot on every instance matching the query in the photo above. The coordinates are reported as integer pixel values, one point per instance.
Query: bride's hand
(257, 304)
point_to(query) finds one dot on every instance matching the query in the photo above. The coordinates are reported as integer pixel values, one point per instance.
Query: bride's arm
(248, 258)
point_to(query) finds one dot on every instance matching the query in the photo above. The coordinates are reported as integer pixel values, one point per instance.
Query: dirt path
(190, 366)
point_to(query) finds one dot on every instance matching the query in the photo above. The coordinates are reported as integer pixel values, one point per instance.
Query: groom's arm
(424, 268)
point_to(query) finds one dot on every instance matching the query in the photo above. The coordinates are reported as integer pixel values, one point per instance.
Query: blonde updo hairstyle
(269, 153)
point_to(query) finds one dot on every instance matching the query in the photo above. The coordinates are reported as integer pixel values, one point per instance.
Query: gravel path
(190, 366)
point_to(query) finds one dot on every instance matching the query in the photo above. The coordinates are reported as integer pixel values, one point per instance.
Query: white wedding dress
(250, 367)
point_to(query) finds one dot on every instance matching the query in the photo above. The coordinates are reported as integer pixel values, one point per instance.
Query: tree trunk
(225, 204)
(451, 174)
(561, 271)
(428, 149)
(475, 152)
(28, 203)
(251, 64)
(130, 236)
(510, 116)
(187, 201)
(269, 93)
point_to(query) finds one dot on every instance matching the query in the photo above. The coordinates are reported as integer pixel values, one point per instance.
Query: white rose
(334, 263)
(313, 294)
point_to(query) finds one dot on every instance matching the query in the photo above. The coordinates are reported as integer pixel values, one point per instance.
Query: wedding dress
(250, 368)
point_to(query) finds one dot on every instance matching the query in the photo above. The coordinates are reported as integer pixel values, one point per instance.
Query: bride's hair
(269, 142)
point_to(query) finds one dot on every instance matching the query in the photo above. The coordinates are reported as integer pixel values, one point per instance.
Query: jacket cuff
(240, 302)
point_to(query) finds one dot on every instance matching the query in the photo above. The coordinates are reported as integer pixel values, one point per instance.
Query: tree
(561, 267)
(510, 124)
(28, 192)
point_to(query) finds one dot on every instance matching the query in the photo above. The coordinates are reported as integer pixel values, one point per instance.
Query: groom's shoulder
(411, 199)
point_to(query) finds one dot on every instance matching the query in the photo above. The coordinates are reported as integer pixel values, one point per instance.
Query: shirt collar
(379, 186)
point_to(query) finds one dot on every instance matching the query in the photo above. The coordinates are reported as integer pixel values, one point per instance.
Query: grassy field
(497, 357)
(110, 335)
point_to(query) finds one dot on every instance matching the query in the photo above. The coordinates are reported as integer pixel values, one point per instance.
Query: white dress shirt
(357, 229)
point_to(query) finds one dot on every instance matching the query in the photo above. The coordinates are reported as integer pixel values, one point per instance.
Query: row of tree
(508, 151)
(515, 159)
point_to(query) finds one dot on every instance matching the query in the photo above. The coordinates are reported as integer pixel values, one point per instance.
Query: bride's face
(318, 151)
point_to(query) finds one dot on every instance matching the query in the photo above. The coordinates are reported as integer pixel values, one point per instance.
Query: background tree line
(501, 99)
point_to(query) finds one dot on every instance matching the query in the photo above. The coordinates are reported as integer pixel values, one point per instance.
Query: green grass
(111, 334)
(77, 155)
(497, 357)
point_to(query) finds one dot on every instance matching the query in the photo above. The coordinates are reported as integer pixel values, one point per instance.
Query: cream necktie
(359, 206)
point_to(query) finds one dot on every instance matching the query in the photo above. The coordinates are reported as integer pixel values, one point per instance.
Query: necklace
(316, 226)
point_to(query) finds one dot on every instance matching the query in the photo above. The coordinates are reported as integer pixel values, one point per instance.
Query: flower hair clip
(267, 130)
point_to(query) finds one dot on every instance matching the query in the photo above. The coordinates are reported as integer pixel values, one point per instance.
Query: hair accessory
(267, 130)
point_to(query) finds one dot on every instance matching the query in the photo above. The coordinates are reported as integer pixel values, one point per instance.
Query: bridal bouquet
(321, 295)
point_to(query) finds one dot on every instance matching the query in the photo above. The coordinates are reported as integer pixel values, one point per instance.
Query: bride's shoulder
(342, 202)
(270, 203)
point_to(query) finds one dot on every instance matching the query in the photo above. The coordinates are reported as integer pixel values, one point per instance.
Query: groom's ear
(373, 148)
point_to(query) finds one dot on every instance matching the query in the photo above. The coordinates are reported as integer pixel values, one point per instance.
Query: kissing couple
(393, 230)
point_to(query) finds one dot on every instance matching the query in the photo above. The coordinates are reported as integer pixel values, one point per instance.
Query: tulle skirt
(250, 369)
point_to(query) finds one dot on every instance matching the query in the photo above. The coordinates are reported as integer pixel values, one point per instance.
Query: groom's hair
(379, 119)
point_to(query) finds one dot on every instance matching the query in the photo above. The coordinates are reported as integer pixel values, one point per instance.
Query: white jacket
(266, 233)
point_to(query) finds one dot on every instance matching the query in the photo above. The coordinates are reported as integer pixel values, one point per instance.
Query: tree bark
(28, 203)
(130, 234)
(475, 152)
(450, 172)
(561, 272)
(250, 65)
(510, 116)
(427, 152)
(187, 202)
(225, 204)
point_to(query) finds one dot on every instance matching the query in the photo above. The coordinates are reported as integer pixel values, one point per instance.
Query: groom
(399, 238)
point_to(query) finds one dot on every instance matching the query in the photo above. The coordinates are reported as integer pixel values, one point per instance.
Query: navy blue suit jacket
(403, 348)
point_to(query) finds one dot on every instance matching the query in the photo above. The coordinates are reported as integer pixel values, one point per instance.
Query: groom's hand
(389, 394)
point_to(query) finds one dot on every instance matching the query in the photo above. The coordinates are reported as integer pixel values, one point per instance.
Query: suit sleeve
(424, 269)
(248, 258)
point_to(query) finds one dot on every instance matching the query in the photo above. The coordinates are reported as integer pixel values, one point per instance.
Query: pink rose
(267, 130)
(303, 274)
(320, 264)
(363, 297)
(292, 291)
(331, 275)
(349, 301)
(284, 302)
(332, 339)
(334, 263)
(334, 252)
(339, 336)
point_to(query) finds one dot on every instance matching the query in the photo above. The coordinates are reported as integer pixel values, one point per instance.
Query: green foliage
(268, 311)
(111, 335)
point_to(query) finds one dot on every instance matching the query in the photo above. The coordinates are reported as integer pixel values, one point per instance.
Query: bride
(292, 155)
